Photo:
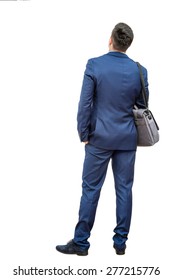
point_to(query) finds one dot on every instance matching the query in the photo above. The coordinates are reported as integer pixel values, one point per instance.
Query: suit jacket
(111, 87)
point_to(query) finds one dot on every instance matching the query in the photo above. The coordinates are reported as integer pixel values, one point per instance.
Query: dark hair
(122, 36)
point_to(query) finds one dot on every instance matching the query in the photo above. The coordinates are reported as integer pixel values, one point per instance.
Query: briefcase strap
(144, 95)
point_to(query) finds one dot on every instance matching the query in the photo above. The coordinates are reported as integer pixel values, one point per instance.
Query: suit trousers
(94, 173)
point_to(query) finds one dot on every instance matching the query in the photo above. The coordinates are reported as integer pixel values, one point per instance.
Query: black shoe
(120, 251)
(71, 248)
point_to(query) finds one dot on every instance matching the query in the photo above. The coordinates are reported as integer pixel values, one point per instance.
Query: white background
(44, 47)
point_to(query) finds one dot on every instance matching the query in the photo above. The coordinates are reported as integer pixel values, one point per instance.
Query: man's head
(121, 37)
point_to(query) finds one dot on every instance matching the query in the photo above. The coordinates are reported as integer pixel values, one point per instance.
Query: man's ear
(110, 41)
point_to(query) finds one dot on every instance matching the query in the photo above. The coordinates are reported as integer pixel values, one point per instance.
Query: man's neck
(114, 50)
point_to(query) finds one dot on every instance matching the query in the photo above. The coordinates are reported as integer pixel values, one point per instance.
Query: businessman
(111, 87)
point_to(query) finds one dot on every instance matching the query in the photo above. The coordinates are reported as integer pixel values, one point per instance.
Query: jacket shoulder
(97, 58)
(144, 69)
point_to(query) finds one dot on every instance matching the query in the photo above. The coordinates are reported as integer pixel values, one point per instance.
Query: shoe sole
(82, 253)
(120, 253)
(85, 253)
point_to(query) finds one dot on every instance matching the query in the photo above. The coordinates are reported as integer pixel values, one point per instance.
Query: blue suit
(111, 87)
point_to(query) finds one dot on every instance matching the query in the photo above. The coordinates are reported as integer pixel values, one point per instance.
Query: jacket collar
(117, 54)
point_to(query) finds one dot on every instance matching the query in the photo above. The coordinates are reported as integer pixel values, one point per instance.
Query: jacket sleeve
(85, 103)
(139, 100)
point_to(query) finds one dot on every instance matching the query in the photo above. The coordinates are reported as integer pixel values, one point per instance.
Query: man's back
(114, 79)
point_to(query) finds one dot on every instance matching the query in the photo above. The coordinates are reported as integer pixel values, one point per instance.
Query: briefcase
(147, 128)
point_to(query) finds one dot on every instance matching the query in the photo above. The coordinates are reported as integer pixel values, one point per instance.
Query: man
(111, 88)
